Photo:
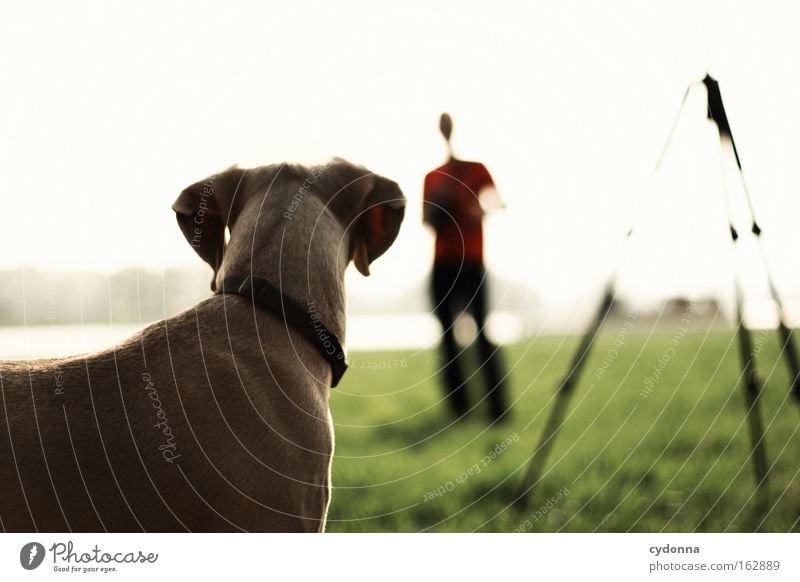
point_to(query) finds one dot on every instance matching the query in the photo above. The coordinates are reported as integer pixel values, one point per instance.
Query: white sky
(108, 111)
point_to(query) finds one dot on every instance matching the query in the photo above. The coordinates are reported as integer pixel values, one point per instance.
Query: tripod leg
(752, 391)
(792, 362)
(752, 388)
(716, 111)
(565, 390)
(788, 346)
(542, 450)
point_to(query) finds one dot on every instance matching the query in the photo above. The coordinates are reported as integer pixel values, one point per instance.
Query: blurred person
(453, 197)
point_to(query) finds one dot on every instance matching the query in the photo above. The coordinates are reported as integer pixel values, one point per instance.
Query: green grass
(675, 460)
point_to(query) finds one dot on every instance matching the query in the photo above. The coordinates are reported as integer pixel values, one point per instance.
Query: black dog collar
(306, 321)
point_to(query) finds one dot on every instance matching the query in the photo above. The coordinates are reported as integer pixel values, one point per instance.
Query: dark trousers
(459, 287)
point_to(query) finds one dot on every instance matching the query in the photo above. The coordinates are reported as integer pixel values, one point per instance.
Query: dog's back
(181, 428)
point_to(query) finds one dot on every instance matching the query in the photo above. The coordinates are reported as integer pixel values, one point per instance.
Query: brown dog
(216, 419)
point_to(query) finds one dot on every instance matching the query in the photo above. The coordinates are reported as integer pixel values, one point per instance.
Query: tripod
(751, 378)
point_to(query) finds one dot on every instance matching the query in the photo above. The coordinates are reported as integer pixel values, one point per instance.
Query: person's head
(446, 127)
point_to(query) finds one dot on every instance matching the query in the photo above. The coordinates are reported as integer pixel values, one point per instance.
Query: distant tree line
(35, 297)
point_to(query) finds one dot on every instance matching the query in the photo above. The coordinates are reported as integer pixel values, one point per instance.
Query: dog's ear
(378, 223)
(204, 209)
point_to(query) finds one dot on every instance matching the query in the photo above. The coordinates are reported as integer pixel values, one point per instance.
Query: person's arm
(488, 196)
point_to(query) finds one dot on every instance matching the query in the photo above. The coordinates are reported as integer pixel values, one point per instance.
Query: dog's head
(369, 207)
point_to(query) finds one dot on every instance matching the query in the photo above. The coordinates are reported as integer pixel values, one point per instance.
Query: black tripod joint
(567, 385)
(796, 389)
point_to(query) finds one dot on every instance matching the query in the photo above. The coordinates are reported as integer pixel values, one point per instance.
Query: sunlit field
(646, 446)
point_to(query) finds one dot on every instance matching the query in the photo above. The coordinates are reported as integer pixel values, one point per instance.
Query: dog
(216, 419)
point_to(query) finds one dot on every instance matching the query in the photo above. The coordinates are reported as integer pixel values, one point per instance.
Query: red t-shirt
(453, 189)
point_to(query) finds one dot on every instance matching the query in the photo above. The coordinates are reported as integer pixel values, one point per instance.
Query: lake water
(364, 333)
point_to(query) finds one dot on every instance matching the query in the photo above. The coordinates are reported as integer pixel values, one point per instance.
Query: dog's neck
(298, 248)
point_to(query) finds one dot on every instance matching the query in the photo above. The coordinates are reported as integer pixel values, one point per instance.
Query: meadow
(655, 440)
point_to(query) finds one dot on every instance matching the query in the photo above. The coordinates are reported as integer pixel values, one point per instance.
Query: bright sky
(108, 111)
